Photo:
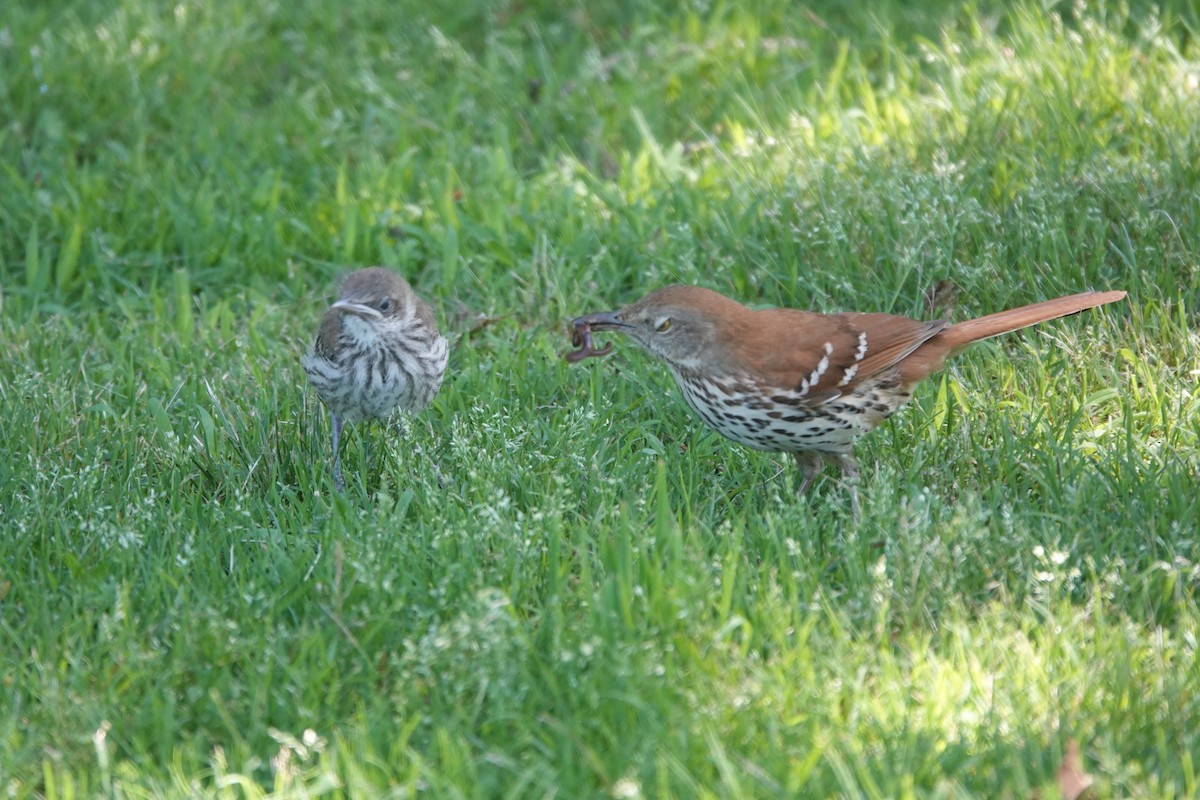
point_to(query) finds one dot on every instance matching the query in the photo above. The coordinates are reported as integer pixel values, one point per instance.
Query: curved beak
(357, 309)
(602, 321)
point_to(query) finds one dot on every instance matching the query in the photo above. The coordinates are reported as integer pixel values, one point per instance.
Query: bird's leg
(810, 464)
(338, 483)
(850, 477)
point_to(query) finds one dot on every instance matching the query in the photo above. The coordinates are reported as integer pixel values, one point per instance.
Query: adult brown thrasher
(378, 351)
(800, 382)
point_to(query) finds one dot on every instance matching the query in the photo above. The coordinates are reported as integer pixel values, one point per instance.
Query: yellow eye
(663, 326)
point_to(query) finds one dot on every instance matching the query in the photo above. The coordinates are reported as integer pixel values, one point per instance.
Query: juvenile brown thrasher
(800, 382)
(378, 351)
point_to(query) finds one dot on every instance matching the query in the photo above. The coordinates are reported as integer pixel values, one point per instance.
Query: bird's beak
(358, 309)
(602, 321)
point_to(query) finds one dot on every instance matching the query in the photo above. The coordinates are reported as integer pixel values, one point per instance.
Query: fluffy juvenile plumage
(378, 351)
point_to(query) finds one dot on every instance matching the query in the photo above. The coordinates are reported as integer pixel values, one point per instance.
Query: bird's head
(679, 324)
(374, 295)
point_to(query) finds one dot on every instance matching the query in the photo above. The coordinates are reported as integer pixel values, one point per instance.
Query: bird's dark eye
(385, 304)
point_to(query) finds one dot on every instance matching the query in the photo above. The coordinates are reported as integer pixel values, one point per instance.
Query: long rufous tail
(962, 334)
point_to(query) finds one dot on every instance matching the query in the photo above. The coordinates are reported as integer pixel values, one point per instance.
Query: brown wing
(823, 356)
(424, 313)
(327, 337)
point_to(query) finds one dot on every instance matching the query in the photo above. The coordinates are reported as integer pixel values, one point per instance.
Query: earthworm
(581, 338)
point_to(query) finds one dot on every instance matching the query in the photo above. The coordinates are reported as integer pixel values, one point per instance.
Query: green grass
(606, 600)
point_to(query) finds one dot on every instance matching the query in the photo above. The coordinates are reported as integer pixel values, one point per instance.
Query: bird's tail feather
(1014, 319)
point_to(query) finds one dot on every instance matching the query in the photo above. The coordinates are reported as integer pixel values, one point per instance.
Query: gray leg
(810, 465)
(850, 476)
(812, 462)
(338, 483)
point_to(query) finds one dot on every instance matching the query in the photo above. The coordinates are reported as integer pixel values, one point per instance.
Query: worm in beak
(581, 339)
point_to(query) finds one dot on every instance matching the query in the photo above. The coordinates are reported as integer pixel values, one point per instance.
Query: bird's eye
(385, 304)
(663, 325)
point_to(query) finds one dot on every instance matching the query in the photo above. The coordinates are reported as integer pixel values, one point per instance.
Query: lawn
(606, 599)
